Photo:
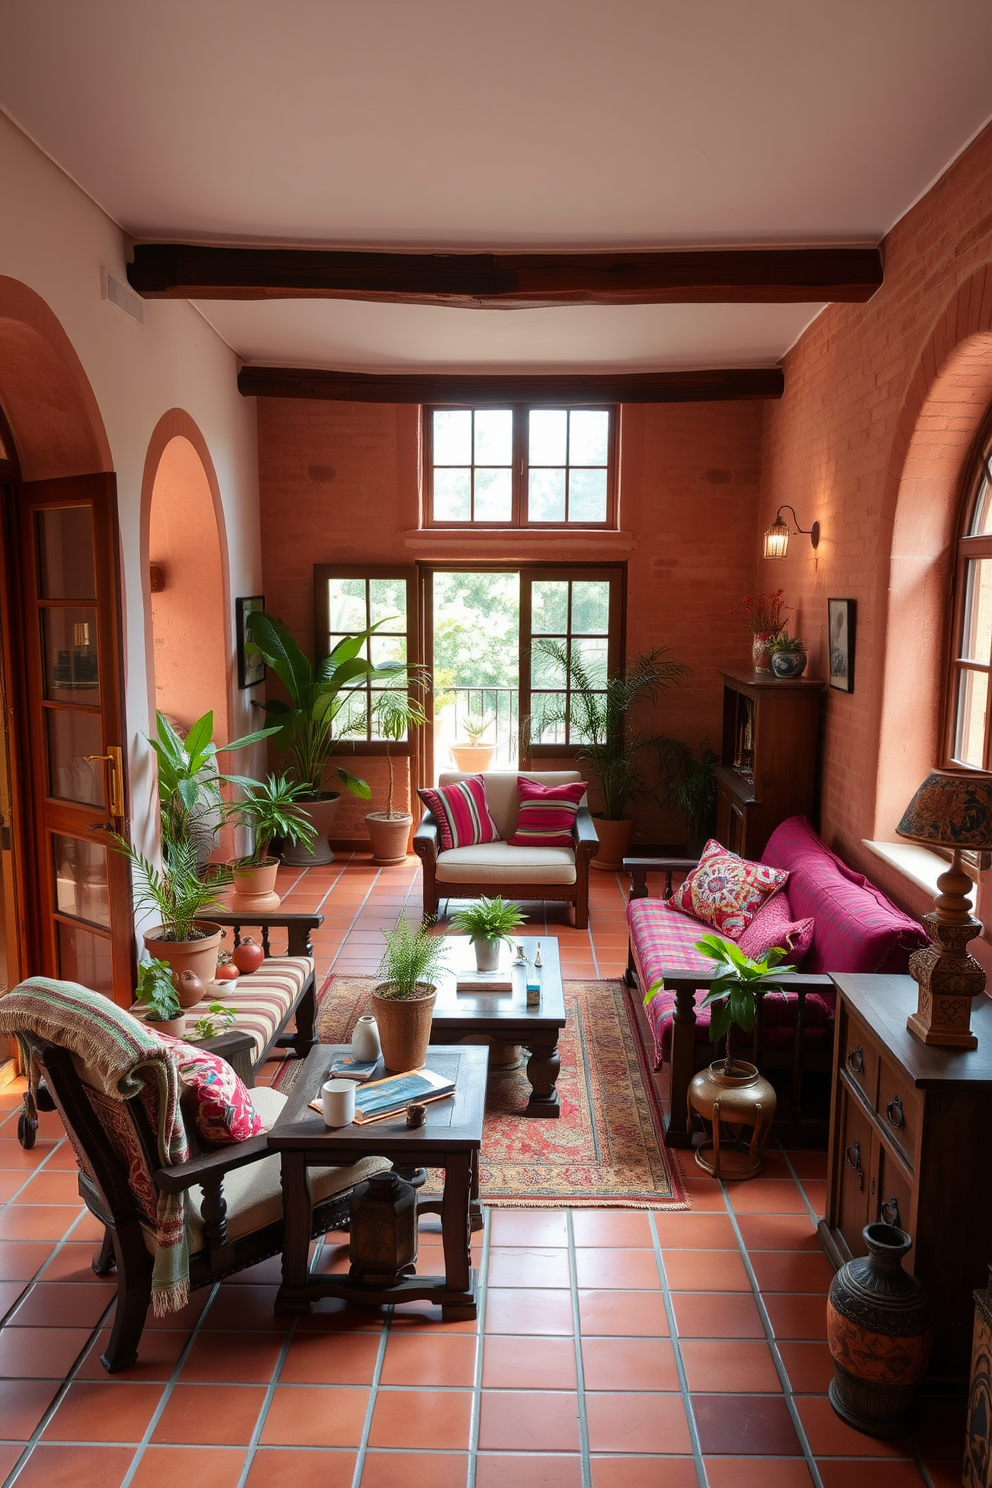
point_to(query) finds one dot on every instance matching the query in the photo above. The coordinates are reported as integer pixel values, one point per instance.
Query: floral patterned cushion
(726, 891)
(216, 1098)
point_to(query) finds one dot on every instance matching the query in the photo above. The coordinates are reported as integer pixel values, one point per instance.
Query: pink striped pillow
(547, 813)
(461, 813)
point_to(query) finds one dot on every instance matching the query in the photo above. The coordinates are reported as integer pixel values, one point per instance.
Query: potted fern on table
(404, 997)
(488, 923)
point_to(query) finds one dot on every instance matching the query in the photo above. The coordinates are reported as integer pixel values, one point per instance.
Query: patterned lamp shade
(952, 808)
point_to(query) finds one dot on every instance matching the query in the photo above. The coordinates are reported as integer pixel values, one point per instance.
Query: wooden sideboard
(768, 757)
(911, 1145)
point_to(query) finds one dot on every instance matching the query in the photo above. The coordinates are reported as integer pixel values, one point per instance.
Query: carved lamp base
(948, 979)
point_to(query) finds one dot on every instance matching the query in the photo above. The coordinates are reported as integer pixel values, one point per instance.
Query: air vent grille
(121, 295)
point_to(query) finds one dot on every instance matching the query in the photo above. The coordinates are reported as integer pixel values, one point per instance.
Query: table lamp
(952, 808)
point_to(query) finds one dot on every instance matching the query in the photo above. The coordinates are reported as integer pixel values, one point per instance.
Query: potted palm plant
(396, 715)
(691, 788)
(304, 726)
(156, 991)
(180, 893)
(269, 807)
(488, 923)
(604, 719)
(403, 1000)
(474, 756)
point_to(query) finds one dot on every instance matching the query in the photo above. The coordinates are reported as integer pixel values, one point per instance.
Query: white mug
(337, 1100)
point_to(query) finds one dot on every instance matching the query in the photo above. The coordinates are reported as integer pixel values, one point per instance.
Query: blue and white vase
(788, 663)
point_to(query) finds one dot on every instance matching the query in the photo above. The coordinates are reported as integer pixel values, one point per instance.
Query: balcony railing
(500, 704)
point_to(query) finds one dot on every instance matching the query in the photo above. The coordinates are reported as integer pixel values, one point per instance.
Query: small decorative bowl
(788, 663)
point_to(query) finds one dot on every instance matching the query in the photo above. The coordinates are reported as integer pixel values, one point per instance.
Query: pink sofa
(855, 928)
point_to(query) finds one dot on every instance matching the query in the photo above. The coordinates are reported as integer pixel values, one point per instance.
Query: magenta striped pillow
(547, 813)
(461, 813)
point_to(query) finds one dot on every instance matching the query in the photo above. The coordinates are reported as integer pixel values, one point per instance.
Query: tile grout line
(697, 1451)
(270, 1391)
(363, 1441)
(483, 1291)
(354, 919)
(580, 1378)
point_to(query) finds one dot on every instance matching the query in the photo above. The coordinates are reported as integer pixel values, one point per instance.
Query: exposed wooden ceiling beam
(507, 281)
(708, 386)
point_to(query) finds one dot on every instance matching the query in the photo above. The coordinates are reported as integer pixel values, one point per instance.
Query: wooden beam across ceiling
(707, 386)
(507, 281)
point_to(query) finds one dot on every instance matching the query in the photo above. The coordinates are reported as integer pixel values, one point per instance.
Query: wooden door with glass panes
(571, 632)
(71, 612)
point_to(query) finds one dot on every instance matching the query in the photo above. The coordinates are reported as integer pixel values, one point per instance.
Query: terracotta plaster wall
(339, 482)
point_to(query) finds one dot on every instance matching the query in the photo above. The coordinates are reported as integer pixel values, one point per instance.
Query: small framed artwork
(840, 624)
(251, 669)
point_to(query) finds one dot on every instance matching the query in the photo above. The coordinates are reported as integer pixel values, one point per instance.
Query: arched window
(969, 738)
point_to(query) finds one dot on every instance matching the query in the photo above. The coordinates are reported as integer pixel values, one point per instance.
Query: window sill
(921, 866)
(605, 542)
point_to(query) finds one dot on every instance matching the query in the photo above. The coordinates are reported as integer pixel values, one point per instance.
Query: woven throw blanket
(120, 1057)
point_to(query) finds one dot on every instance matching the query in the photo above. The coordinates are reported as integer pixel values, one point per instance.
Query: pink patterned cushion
(220, 1103)
(461, 813)
(726, 891)
(773, 925)
(547, 813)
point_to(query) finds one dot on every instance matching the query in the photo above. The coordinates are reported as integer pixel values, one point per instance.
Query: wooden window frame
(613, 573)
(519, 469)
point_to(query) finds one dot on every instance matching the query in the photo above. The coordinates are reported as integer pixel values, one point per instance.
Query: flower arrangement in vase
(764, 614)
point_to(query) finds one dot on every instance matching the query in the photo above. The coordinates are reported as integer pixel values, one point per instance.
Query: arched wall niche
(943, 412)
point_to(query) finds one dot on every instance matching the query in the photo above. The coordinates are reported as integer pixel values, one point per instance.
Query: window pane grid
(359, 603)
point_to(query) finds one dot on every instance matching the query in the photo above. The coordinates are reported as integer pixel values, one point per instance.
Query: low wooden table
(450, 1139)
(506, 1018)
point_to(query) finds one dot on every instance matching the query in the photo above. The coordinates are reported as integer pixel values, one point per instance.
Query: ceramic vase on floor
(614, 842)
(878, 1330)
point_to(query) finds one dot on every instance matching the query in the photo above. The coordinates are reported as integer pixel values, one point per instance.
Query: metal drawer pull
(856, 1060)
(889, 1212)
(894, 1112)
(853, 1155)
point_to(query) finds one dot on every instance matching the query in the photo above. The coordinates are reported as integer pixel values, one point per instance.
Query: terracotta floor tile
(232, 1358)
(40, 1353)
(519, 1420)
(623, 1314)
(186, 1317)
(528, 1227)
(21, 1259)
(739, 1425)
(612, 1227)
(164, 1467)
(87, 1227)
(103, 1411)
(413, 1470)
(73, 1263)
(695, 1231)
(828, 1436)
(421, 1418)
(629, 1364)
(627, 1270)
(816, 1193)
(644, 1472)
(51, 1186)
(36, 1221)
(705, 1271)
(792, 1271)
(778, 1232)
(22, 1405)
(10, 1294)
(158, 1355)
(528, 1363)
(944, 1474)
(315, 1416)
(757, 1472)
(528, 1266)
(423, 1317)
(730, 1365)
(501, 1469)
(641, 1422)
(717, 1315)
(808, 1365)
(244, 1307)
(870, 1474)
(766, 1196)
(429, 1359)
(510, 1311)
(13, 1155)
(216, 1415)
(809, 1164)
(704, 1194)
(794, 1315)
(330, 1359)
(75, 1467)
(61, 1304)
(274, 1467)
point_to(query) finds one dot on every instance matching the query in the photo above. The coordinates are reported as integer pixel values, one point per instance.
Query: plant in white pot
(157, 993)
(396, 714)
(403, 1000)
(269, 807)
(488, 923)
(475, 755)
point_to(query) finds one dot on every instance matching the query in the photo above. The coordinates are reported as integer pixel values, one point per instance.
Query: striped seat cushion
(461, 813)
(547, 813)
(262, 1001)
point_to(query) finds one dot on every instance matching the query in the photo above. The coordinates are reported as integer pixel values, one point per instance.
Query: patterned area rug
(605, 1149)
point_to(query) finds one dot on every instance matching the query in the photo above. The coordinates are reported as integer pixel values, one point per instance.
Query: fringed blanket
(121, 1059)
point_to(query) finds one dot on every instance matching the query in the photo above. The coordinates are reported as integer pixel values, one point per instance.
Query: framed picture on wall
(251, 669)
(840, 629)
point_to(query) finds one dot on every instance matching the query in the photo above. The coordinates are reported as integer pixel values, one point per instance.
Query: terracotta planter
(473, 758)
(255, 887)
(732, 1101)
(879, 1330)
(389, 836)
(321, 814)
(404, 1025)
(197, 956)
(176, 1027)
(614, 842)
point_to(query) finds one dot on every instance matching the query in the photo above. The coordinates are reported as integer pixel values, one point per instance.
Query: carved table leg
(456, 1237)
(542, 1072)
(476, 1217)
(297, 1209)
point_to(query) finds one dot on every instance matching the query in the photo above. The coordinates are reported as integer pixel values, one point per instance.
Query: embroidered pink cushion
(547, 813)
(773, 925)
(219, 1101)
(726, 891)
(461, 813)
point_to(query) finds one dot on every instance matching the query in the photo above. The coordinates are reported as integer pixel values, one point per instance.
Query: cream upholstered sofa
(498, 868)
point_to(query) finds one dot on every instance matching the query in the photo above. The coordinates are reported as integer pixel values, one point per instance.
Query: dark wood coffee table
(450, 1139)
(506, 1018)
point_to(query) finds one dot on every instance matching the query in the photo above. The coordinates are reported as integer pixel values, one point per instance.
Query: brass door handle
(114, 760)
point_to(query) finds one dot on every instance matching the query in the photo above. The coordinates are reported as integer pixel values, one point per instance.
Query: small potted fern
(403, 1000)
(488, 923)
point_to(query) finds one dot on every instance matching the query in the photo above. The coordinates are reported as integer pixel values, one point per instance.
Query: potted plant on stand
(180, 894)
(396, 715)
(305, 725)
(403, 1000)
(474, 756)
(788, 655)
(268, 807)
(157, 993)
(488, 923)
(603, 715)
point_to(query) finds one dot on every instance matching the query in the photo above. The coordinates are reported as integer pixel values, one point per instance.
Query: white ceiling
(454, 124)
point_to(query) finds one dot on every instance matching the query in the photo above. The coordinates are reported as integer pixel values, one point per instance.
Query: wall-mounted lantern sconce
(777, 535)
